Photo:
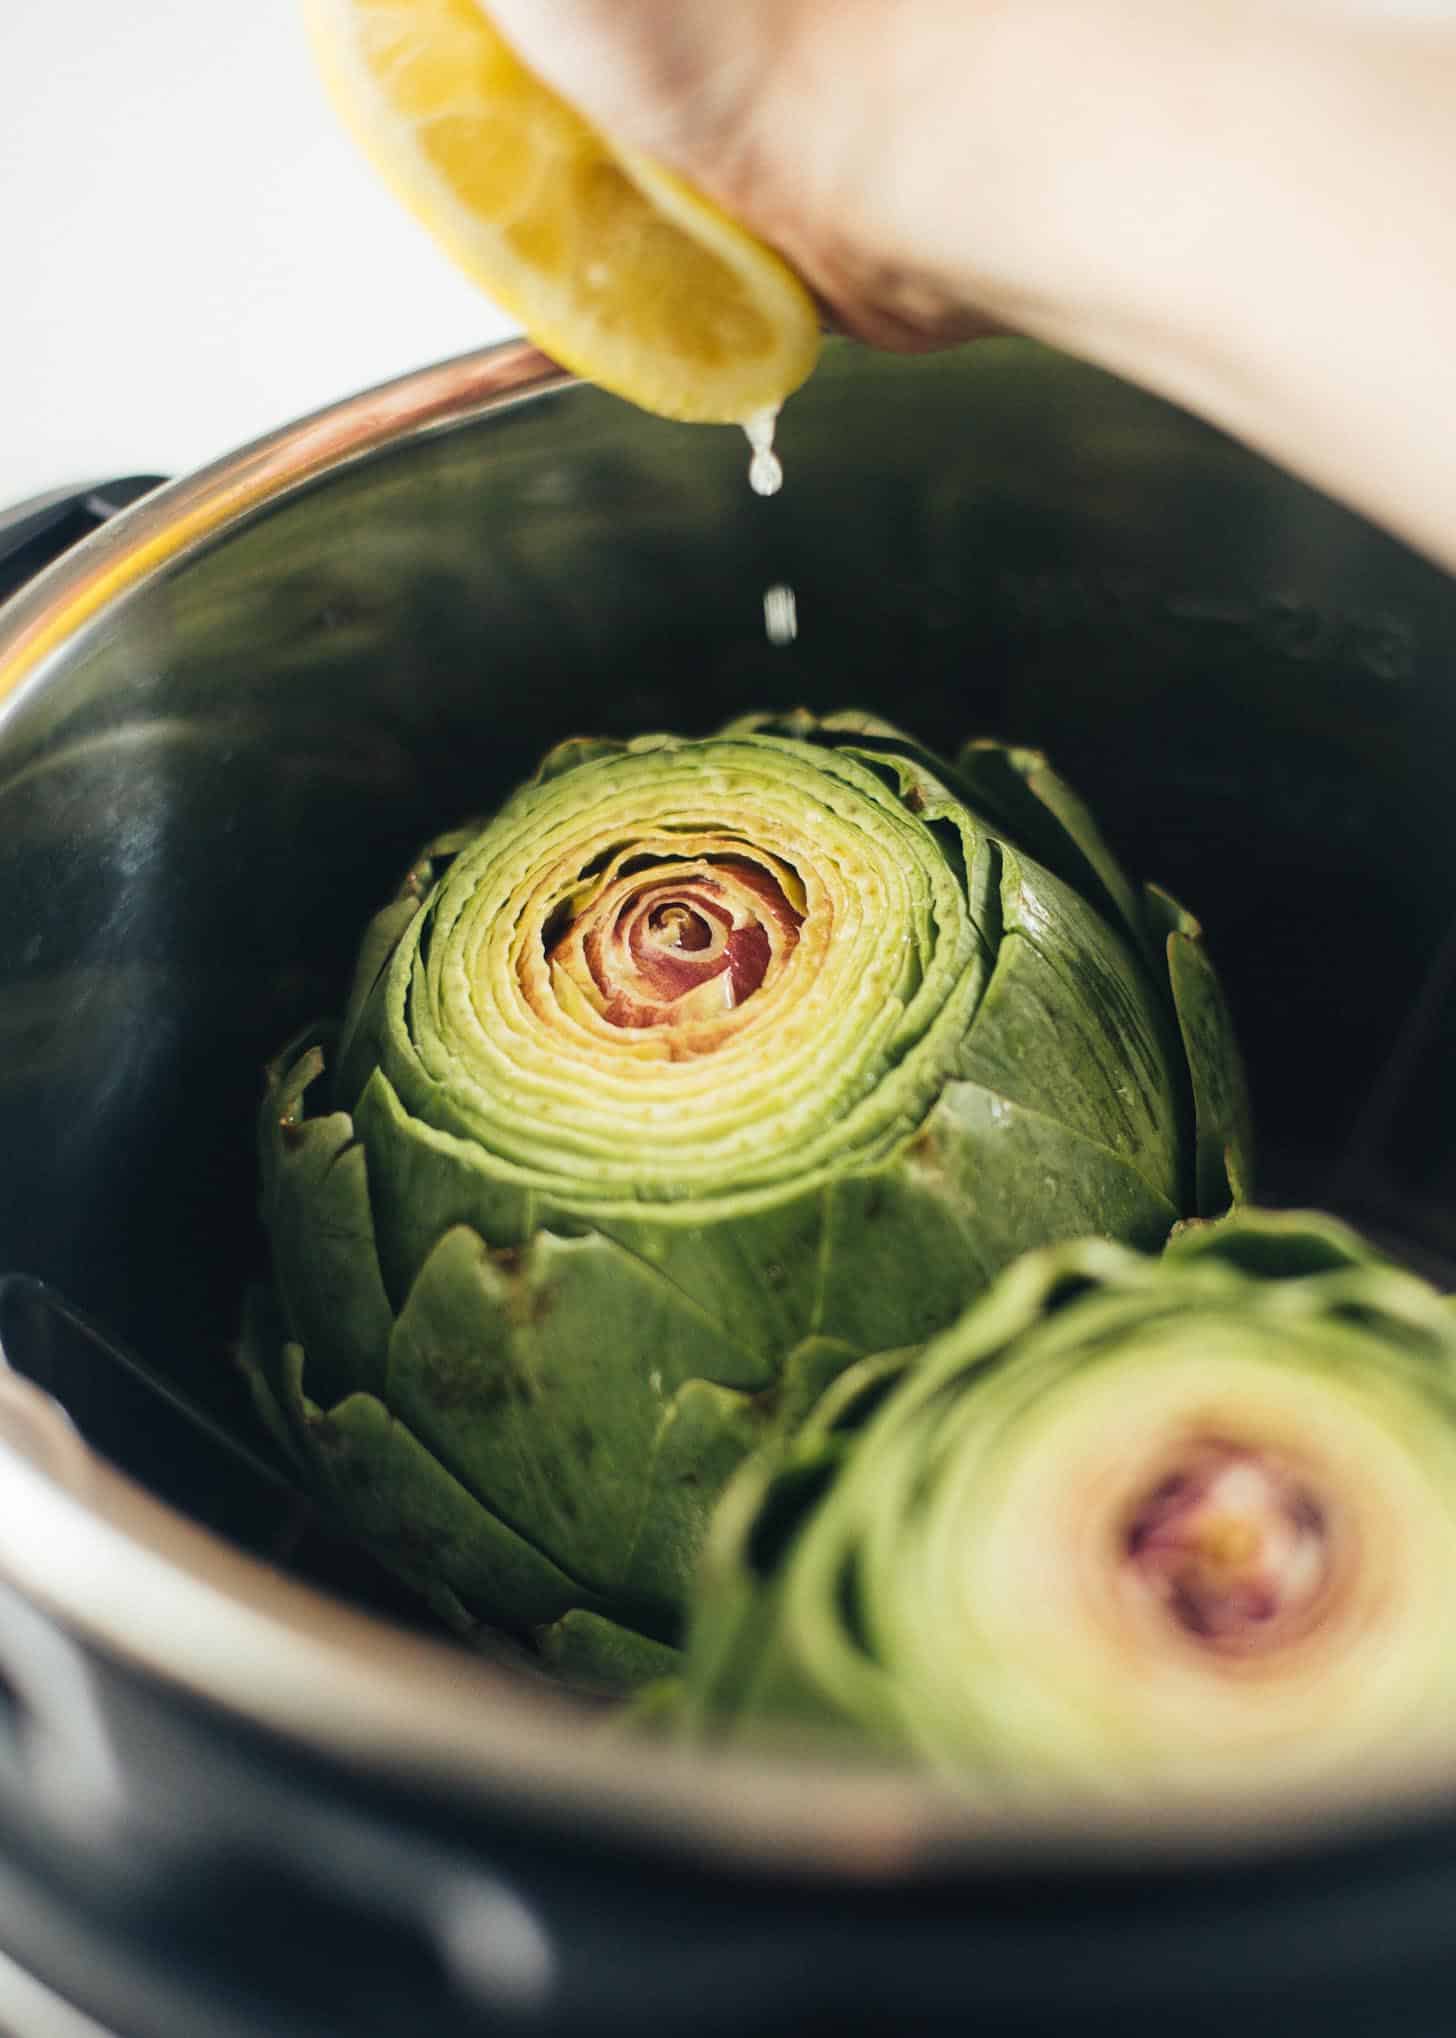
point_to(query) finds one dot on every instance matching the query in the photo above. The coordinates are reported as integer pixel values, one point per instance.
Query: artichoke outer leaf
(1313, 1266)
(1275, 1244)
(804, 726)
(542, 1377)
(809, 1371)
(358, 1046)
(751, 1275)
(317, 1206)
(399, 1501)
(778, 1635)
(913, 1241)
(261, 1345)
(591, 1653)
(849, 1400)
(1071, 1026)
(734, 1614)
(575, 751)
(705, 1435)
(654, 1709)
(1223, 1139)
(1020, 794)
(360, 1033)
(902, 1250)
(426, 1182)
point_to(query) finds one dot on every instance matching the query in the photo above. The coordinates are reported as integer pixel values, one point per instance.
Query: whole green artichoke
(699, 1071)
(1161, 1528)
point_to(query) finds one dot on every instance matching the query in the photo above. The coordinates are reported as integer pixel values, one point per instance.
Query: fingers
(787, 112)
(666, 76)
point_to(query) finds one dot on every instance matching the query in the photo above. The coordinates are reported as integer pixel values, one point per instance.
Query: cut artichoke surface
(1161, 1528)
(700, 1071)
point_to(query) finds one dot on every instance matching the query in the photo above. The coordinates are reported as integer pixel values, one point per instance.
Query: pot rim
(147, 1586)
(163, 527)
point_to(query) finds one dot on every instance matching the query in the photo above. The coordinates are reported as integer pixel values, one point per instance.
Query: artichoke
(699, 1071)
(1176, 1528)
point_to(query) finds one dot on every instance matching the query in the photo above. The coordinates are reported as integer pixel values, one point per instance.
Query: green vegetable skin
(1133, 1527)
(700, 1071)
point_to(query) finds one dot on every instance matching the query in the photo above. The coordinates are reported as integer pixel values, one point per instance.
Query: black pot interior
(216, 784)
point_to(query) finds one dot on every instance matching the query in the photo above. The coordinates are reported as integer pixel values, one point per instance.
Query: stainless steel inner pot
(227, 719)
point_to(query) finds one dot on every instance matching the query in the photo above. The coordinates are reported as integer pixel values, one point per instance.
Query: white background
(193, 252)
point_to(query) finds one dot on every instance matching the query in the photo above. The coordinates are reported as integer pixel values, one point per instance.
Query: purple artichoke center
(673, 938)
(1235, 1547)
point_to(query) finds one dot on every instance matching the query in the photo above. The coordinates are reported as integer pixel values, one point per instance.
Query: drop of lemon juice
(766, 477)
(765, 469)
(781, 615)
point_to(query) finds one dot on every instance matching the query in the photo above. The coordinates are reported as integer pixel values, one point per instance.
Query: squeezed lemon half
(614, 266)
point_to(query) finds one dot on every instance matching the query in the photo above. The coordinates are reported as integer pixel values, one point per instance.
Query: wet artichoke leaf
(982, 1173)
(1071, 1028)
(1019, 792)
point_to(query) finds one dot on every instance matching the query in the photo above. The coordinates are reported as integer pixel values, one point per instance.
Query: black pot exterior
(205, 789)
(238, 1887)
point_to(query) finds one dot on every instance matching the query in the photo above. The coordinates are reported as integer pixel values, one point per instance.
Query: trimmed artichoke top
(698, 1072)
(1160, 1528)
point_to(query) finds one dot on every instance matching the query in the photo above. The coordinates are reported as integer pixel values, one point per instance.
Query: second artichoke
(1172, 1529)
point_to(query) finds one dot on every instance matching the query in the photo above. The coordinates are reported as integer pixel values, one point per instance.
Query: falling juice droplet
(765, 469)
(781, 615)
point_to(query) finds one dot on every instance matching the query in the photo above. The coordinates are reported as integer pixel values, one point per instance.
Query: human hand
(806, 121)
(1241, 203)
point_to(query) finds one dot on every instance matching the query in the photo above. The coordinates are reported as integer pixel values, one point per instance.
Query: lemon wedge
(613, 265)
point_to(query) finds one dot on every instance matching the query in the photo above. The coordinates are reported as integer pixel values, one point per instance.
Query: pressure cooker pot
(245, 1786)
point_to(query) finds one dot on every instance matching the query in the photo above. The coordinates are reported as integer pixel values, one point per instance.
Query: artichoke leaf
(736, 1616)
(316, 1204)
(705, 1434)
(426, 1182)
(1271, 1245)
(777, 1623)
(1223, 1127)
(956, 1208)
(262, 1343)
(1020, 793)
(401, 1503)
(810, 1370)
(362, 1030)
(549, 1373)
(750, 1278)
(1070, 1027)
(574, 752)
(592, 1654)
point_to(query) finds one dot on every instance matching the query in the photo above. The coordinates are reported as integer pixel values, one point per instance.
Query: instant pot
(243, 1790)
